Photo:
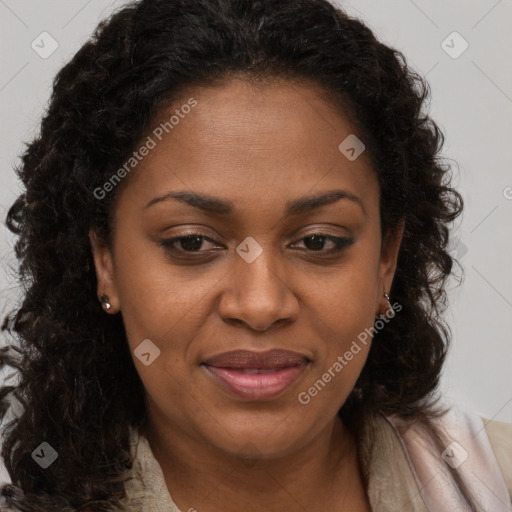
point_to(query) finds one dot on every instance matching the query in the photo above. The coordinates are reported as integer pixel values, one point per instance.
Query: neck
(322, 475)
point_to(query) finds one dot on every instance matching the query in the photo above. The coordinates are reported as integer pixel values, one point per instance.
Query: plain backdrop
(464, 48)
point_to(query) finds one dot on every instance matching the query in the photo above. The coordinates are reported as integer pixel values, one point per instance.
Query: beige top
(397, 466)
(392, 483)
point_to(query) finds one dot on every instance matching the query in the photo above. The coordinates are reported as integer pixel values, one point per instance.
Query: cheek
(158, 300)
(339, 365)
(346, 301)
(345, 316)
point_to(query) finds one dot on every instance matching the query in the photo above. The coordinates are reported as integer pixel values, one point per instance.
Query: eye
(315, 242)
(189, 244)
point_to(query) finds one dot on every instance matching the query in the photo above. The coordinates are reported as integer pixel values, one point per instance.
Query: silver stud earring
(105, 302)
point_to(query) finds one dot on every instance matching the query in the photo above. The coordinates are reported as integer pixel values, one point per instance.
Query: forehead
(246, 143)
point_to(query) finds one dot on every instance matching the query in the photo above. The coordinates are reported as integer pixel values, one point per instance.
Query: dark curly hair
(78, 387)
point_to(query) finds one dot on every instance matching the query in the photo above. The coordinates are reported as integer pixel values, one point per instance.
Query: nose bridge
(258, 274)
(258, 293)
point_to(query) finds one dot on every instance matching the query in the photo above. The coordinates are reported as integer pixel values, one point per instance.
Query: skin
(258, 147)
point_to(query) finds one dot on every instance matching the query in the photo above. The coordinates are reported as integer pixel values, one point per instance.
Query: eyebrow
(217, 206)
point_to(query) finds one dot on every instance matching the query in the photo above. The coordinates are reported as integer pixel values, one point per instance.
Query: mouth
(256, 375)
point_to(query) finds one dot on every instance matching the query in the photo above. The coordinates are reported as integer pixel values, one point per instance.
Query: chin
(256, 443)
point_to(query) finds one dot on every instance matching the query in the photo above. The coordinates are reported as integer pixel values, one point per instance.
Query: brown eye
(193, 243)
(316, 242)
(189, 243)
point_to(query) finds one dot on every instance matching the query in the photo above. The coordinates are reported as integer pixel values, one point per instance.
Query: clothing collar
(390, 484)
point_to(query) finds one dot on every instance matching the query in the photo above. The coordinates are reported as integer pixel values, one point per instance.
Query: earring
(105, 302)
(381, 317)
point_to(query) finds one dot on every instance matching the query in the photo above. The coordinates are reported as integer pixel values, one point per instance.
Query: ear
(387, 266)
(104, 271)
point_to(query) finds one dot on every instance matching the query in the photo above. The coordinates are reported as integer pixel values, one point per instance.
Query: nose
(258, 294)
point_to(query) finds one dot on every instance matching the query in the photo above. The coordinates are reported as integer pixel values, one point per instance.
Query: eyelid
(340, 242)
(295, 235)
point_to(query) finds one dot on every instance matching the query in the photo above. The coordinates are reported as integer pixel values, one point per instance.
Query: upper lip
(275, 358)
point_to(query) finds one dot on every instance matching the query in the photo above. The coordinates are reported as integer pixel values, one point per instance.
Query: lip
(256, 375)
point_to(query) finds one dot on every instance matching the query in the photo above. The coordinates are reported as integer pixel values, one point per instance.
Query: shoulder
(480, 451)
(500, 438)
(486, 442)
(135, 495)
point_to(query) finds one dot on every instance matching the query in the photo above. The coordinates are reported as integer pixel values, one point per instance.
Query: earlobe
(106, 289)
(388, 263)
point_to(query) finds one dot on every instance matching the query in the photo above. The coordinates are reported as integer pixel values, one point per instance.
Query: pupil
(194, 242)
(318, 242)
(189, 240)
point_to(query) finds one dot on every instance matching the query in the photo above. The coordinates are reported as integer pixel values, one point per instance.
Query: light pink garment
(468, 450)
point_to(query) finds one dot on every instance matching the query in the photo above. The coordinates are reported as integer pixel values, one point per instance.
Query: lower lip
(256, 386)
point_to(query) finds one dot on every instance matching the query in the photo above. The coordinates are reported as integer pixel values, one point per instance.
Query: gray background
(471, 102)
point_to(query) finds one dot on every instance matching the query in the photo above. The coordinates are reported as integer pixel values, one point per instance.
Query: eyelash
(339, 242)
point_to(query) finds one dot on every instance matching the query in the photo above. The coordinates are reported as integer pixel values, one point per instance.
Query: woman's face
(258, 280)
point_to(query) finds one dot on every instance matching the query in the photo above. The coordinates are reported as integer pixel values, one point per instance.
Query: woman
(233, 237)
